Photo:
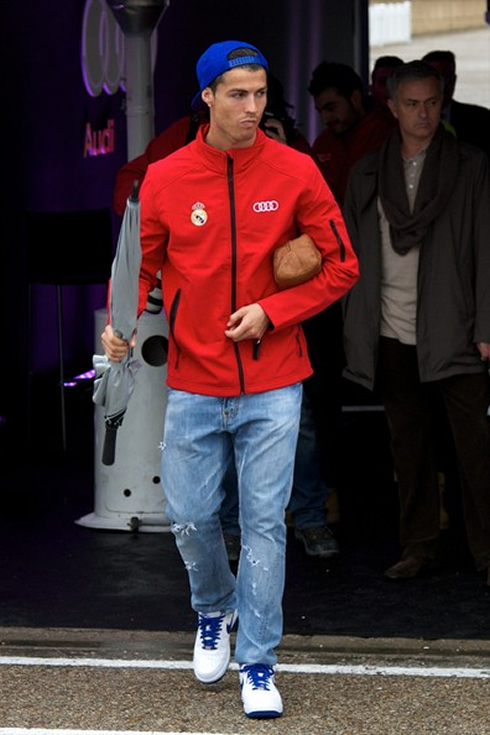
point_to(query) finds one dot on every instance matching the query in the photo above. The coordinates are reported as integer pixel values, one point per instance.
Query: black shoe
(233, 546)
(411, 567)
(318, 541)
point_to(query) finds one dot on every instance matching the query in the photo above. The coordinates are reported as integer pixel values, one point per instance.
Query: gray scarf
(436, 184)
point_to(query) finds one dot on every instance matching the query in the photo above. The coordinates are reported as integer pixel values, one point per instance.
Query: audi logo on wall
(103, 50)
(271, 206)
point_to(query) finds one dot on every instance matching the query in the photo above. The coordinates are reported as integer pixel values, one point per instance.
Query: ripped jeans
(201, 433)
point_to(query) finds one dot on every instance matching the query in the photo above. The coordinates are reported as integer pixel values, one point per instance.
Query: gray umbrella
(115, 381)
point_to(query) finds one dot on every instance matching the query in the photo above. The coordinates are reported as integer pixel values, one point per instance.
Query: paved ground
(54, 680)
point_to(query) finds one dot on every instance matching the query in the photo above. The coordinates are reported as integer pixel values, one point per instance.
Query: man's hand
(115, 348)
(275, 130)
(484, 350)
(249, 322)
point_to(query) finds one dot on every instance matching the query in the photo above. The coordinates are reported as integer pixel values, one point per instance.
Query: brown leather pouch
(296, 261)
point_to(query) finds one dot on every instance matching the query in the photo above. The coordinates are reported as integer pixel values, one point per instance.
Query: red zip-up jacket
(210, 221)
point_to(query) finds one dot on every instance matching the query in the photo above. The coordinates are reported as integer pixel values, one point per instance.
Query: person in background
(353, 124)
(212, 214)
(470, 123)
(417, 323)
(310, 490)
(382, 70)
(448, 488)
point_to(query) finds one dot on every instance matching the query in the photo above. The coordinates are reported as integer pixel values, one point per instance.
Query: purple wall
(55, 191)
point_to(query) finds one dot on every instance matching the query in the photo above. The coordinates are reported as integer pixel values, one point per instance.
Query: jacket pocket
(298, 343)
(173, 318)
(340, 242)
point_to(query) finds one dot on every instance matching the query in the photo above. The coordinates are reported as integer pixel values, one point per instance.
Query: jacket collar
(218, 160)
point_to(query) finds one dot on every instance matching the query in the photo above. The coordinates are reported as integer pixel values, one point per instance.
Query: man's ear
(392, 108)
(356, 99)
(207, 96)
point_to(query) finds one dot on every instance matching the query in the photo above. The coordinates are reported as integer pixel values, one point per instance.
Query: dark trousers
(410, 408)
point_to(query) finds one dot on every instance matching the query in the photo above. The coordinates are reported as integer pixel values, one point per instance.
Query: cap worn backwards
(216, 60)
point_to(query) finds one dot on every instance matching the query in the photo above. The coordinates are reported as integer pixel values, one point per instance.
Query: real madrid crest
(199, 216)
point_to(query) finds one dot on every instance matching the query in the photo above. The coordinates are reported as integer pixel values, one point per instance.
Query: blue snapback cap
(215, 61)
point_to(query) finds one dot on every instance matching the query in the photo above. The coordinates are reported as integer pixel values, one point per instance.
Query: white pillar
(129, 494)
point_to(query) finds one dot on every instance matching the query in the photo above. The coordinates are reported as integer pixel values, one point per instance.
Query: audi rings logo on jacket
(271, 206)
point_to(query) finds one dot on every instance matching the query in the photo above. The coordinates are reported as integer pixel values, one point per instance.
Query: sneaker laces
(259, 675)
(210, 630)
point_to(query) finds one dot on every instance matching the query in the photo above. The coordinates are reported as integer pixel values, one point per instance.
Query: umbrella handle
(109, 448)
(135, 191)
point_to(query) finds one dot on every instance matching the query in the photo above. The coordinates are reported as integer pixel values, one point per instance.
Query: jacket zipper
(339, 240)
(231, 194)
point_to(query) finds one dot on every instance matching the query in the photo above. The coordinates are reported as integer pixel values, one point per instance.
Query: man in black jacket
(470, 123)
(417, 323)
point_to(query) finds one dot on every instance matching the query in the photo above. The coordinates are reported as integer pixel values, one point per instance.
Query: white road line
(52, 731)
(332, 669)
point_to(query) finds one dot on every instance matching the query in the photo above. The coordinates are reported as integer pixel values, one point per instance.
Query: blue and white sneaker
(212, 645)
(259, 693)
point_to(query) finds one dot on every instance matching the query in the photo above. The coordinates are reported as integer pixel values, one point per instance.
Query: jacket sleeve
(154, 238)
(320, 217)
(348, 212)
(481, 223)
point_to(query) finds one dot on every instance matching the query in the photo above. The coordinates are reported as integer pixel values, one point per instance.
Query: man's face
(236, 108)
(379, 89)
(448, 73)
(338, 113)
(417, 108)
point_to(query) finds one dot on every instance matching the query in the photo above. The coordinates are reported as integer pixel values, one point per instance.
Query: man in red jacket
(314, 463)
(212, 214)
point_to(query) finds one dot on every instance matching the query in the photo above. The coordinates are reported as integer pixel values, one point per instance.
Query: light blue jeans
(310, 492)
(201, 433)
